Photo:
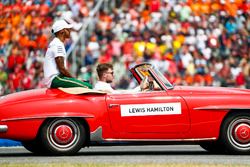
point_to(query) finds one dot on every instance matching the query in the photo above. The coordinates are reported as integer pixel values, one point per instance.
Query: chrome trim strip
(191, 139)
(3, 128)
(219, 108)
(96, 135)
(43, 117)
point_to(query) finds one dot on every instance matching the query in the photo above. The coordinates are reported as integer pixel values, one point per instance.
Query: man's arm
(60, 65)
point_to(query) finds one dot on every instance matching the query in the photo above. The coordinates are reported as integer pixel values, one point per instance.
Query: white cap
(59, 25)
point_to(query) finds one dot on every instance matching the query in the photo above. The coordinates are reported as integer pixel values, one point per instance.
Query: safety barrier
(8, 143)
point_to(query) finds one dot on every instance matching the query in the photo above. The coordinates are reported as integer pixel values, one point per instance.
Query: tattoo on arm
(60, 65)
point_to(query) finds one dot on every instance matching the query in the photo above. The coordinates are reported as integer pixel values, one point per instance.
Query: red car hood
(210, 90)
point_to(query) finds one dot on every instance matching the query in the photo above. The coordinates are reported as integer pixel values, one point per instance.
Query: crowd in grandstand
(202, 42)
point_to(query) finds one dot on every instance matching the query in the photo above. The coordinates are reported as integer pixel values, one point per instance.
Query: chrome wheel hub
(242, 133)
(239, 133)
(63, 133)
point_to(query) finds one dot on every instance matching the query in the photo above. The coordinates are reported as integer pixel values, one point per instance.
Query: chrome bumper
(3, 128)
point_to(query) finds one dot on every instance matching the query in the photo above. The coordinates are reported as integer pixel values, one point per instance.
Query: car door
(148, 112)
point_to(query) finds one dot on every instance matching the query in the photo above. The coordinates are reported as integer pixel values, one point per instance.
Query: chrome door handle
(113, 105)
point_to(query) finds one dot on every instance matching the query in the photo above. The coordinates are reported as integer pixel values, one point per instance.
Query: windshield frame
(162, 78)
(139, 71)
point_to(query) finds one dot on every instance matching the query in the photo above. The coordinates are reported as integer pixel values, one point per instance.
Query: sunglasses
(112, 73)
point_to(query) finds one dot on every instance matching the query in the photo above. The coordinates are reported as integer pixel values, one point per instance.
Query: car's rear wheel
(62, 136)
(33, 146)
(236, 133)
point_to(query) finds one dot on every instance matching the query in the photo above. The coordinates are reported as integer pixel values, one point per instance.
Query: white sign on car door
(150, 109)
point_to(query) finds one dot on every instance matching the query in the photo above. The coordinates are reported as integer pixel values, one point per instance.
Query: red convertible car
(62, 121)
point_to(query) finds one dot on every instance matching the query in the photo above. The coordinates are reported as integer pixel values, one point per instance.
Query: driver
(106, 76)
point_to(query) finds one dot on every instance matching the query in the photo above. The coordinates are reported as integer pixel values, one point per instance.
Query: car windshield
(144, 70)
(162, 78)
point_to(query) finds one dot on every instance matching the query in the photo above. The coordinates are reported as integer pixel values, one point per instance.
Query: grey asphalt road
(126, 154)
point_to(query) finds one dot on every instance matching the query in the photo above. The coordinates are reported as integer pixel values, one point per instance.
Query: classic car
(64, 120)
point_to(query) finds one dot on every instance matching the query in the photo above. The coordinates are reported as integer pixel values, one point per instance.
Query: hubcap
(239, 133)
(63, 134)
(242, 133)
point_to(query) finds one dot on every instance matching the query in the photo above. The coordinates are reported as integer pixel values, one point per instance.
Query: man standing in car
(55, 71)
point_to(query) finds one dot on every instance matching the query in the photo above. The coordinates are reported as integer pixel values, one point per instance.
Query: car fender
(24, 119)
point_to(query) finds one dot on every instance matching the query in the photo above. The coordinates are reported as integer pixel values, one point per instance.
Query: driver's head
(105, 72)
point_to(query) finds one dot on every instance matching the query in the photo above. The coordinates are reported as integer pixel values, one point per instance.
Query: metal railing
(81, 36)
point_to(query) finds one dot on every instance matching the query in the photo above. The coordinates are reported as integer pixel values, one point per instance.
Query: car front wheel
(236, 133)
(62, 136)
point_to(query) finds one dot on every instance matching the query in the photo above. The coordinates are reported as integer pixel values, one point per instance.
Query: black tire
(62, 136)
(235, 133)
(213, 147)
(33, 146)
